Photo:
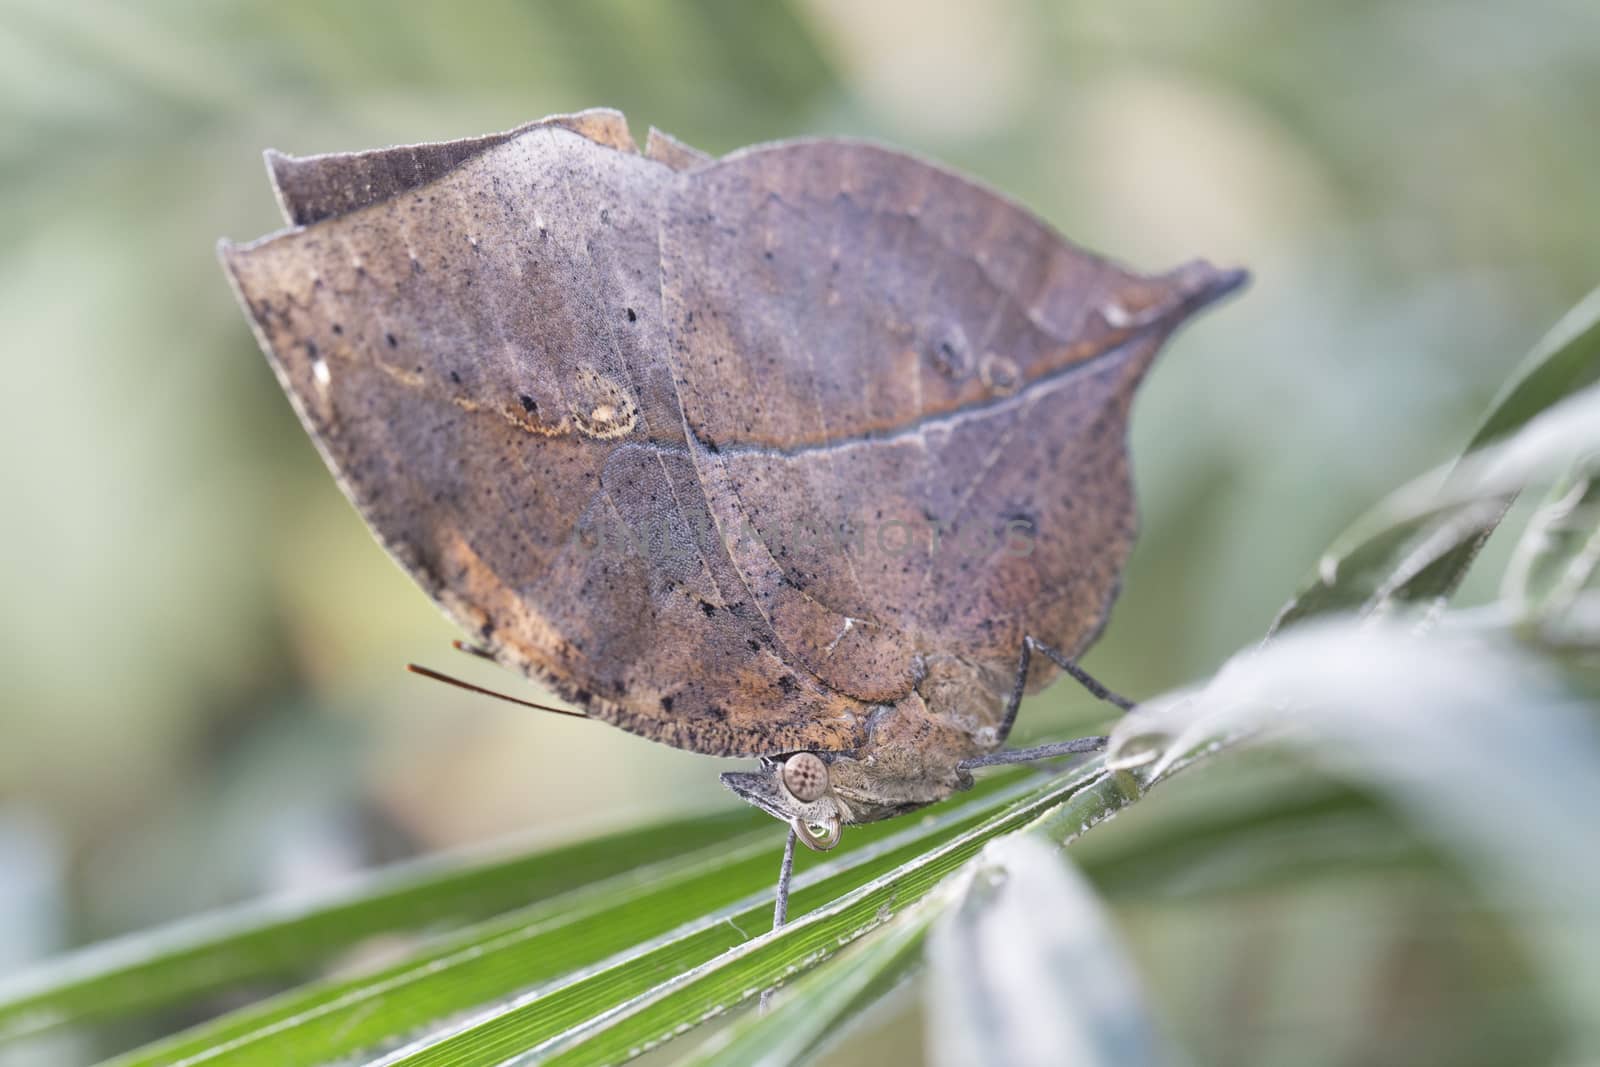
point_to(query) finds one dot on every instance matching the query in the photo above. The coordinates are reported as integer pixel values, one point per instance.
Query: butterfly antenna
(472, 650)
(469, 687)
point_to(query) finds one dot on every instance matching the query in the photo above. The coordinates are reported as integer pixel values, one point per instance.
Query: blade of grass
(672, 998)
(330, 1018)
(698, 905)
(280, 938)
(1377, 559)
(811, 1013)
(1417, 562)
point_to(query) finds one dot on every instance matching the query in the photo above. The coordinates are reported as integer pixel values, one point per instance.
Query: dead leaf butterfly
(799, 453)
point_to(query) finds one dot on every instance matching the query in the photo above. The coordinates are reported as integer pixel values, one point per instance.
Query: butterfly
(814, 453)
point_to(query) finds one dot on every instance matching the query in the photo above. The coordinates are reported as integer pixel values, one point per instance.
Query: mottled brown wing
(476, 345)
(727, 452)
(876, 349)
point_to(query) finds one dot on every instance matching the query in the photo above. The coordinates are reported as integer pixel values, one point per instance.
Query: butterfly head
(797, 789)
(819, 793)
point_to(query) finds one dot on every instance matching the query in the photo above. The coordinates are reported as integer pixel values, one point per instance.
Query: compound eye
(805, 776)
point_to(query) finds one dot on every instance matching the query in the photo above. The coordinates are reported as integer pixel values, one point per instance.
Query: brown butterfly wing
(515, 350)
(478, 357)
(875, 347)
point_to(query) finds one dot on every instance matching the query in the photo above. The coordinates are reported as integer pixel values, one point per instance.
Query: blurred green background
(204, 702)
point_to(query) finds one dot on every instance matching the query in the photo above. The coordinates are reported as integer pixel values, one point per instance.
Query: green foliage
(285, 939)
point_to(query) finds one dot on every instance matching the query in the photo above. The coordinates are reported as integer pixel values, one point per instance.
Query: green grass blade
(571, 1027)
(276, 939)
(689, 908)
(807, 1015)
(1377, 560)
(331, 1018)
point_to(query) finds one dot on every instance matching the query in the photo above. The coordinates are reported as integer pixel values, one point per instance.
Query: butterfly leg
(1030, 645)
(780, 908)
(1038, 752)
